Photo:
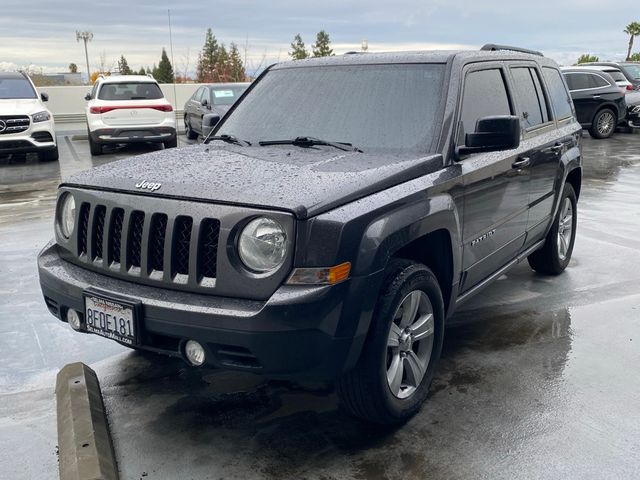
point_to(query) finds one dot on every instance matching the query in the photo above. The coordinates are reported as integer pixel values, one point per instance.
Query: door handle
(557, 148)
(521, 162)
(597, 96)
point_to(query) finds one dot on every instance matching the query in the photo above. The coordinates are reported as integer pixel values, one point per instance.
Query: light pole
(85, 36)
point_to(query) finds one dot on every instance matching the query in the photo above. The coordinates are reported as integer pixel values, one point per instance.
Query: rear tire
(191, 135)
(555, 255)
(604, 124)
(49, 155)
(94, 147)
(384, 387)
(171, 143)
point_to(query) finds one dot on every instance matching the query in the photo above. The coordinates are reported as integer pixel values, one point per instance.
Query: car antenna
(175, 90)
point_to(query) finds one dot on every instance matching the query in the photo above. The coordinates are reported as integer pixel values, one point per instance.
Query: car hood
(305, 181)
(20, 106)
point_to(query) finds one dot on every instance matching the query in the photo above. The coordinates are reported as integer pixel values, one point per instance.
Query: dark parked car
(631, 70)
(633, 109)
(335, 219)
(213, 99)
(599, 102)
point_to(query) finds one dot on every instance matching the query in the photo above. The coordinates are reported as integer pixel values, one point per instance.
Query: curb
(84, 443)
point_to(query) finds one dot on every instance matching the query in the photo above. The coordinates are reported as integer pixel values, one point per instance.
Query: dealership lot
(538, 377)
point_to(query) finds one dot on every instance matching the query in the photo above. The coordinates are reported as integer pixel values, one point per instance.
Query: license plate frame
(110, 328)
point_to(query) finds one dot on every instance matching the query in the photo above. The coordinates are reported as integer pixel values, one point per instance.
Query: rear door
(586, 91)
(542, 151)
(496, 189)
(192, 105)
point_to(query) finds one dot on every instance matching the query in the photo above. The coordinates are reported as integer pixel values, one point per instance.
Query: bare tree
(186, 60)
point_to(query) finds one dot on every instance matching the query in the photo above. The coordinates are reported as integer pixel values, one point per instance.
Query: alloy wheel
(409, 344)
(606, 123)
(565, 229)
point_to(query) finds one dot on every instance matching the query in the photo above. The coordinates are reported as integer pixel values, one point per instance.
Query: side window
(485, 94)
(560, 99)
(196, 96)
(532, 108)
(579, 81)
(94, 90)
(204, 95)
(599, 82)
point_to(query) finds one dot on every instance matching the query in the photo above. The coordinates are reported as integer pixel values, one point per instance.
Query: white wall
(67, 103)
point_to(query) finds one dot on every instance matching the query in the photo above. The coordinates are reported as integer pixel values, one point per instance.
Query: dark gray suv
(336, 217)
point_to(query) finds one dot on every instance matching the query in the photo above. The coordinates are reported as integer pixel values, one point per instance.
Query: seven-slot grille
(141, 243)
(14, 123)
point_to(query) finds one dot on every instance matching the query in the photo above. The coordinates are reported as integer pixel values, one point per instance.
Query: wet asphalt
(539, 376)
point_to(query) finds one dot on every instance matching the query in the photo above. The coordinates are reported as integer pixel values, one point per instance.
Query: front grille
(135, 242)
(14, 124)
(635, 109)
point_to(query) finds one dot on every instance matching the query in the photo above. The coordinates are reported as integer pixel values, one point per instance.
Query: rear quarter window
(558, 93)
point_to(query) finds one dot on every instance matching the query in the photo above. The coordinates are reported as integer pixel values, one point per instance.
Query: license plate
(111, 319)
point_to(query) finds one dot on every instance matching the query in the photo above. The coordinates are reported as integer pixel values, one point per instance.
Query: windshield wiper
(306, 142)
(229, 139)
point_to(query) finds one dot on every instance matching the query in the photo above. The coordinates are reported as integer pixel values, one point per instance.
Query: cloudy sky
(42, 33)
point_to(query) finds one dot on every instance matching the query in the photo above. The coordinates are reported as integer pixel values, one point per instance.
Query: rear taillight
(100, 110)
(629, 87)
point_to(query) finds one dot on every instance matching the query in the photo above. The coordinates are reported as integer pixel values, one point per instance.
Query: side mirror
(501, 132)
(209, 121)
(87, 97)
(44, 97)
(204, 102)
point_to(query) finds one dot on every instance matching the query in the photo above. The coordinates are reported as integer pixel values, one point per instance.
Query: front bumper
(299, 333)
(39, 137)
(117, 135)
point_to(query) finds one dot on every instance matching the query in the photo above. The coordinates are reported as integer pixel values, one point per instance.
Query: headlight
(67, 214)
(263, 245)
(41, 117)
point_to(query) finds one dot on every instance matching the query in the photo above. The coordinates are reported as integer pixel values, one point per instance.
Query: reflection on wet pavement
(538, 376)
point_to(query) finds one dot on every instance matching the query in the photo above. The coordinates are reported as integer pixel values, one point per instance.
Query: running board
(466, 296)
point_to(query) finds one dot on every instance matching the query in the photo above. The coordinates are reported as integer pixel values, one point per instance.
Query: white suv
(26, 125)
(128, 109)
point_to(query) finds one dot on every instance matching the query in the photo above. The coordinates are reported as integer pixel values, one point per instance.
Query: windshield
(226, 96)
(632, 69)
(389, 108)
(130, 91)
(16, 88)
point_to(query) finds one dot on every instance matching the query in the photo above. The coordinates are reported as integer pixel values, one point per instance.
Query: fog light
(194, 352)
(73, 319)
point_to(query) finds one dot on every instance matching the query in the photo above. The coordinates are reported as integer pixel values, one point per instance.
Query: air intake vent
(116, 235)
(182, 244)
(157, 234)
(98, 232)
(208, 247)
(84, 229)
(134, 248)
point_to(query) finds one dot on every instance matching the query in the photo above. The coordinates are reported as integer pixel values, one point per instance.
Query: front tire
(49, 155)
(173, 143)
(604, 124)
(191, 134)
(392, 377)
(556, 252)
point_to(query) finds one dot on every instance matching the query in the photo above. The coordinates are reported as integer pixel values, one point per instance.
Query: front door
(496, 184)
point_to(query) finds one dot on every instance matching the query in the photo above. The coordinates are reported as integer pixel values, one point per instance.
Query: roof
(426, 56)
(591, 68)
(5, 75)
(127, 78)
(229, 84)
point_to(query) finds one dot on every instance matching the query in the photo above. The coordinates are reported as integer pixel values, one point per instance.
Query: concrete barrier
(67, 103)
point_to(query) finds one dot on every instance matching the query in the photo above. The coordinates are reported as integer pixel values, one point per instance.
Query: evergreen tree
(149, 71)
(154, 71)
(123, 66)
(587, 58)
(164, 72)
(142, 71)
(236, 67)
(207, 58)
(73, 68)
(222, 65)
(298, 50)
(322, 47)
(635, 57)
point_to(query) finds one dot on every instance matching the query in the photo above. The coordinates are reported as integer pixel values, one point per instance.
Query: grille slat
(182, 244)
(14, 124)
(115, 234)
(208, 247)
(157, 235)
(98, 232)
(84, 229)
(134, 247)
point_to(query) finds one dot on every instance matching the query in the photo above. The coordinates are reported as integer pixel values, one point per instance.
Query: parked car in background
(599, 101)
(631, 70)
(633, 109)
(214, 99)
(26, 125)
(617, 76)
(128, 109)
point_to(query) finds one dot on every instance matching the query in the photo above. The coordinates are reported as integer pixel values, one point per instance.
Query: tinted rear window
(16, 88)
(532, 108)
(617, 75)
(130, 91)
(379, 108)
(560, 98)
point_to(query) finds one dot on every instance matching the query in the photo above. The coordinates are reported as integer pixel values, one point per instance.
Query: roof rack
(492, 47)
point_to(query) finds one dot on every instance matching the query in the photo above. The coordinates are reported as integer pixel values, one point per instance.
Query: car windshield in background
(130, 91)
(384, 108)
(226, 96)
(16, 88)
(633, 69)
(617, 75)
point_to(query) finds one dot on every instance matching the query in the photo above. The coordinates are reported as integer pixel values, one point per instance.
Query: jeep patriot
(332, 221)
